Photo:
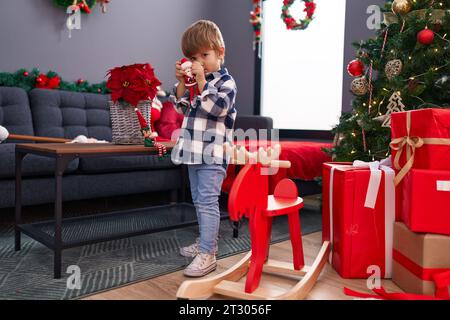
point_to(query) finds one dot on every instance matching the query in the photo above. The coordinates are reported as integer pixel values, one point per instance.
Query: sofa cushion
(15, 114)
(65, 114)
(123, 164)
(252, 121)
(170, 121)
(32, 165)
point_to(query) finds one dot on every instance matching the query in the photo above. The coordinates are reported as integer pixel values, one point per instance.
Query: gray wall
(32, 35)
(232, 16)
(355, 31)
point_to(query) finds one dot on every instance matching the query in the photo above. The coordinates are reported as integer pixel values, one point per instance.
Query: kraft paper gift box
(421, 262)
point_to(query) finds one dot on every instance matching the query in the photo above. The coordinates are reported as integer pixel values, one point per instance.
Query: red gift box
(358, 217)
(426, 201)
(421, 140)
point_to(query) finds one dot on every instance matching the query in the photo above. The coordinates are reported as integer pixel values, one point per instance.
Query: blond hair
(201, 35)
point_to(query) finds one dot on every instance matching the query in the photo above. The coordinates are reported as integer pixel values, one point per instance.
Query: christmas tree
(406, 66)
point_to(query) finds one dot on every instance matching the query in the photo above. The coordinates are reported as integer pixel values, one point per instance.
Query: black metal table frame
(56, 244)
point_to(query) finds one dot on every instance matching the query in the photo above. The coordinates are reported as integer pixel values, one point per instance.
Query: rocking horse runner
(259, 207)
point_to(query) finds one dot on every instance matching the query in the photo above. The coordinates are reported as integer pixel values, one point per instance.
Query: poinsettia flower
(133, 83)
(310, 9)
(121, 81)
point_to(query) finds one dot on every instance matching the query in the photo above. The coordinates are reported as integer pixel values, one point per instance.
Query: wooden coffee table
(64, 154)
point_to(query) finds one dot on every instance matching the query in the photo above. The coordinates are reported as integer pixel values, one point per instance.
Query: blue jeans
(206, 183)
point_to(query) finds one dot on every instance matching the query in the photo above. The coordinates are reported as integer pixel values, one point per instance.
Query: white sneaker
(190, 251)
(203, 264)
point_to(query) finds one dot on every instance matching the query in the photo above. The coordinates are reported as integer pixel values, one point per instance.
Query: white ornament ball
(4, 134)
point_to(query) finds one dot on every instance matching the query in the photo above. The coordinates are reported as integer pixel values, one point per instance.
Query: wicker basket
(125, 123)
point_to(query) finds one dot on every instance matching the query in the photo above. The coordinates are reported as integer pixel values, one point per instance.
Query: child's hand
(179, 73)
(198, 71)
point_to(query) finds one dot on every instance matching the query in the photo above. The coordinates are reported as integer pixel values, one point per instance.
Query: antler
(240, 155)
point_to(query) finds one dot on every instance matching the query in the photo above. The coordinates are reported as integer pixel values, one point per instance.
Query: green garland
(67, 3)
(27, 81)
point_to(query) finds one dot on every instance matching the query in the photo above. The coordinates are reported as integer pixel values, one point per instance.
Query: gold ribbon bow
(410, 144)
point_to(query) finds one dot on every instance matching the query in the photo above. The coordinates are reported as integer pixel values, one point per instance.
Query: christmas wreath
(84, 5)
(292, 23)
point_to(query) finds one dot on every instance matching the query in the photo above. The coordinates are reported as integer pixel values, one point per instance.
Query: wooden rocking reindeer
(249, 197)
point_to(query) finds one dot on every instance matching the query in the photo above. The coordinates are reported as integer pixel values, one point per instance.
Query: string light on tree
(441, 81)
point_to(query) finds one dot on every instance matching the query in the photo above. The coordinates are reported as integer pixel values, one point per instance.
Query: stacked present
(362, 200)
(421, 157)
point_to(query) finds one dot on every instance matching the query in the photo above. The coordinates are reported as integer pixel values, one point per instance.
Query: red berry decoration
(355, 68)
(425, 37)
(26, 74)
(84, 7)
(39, 79)
(80, 81)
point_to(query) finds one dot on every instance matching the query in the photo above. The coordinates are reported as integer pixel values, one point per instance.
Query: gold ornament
(401, 7)
(393, 68)
(395, 105)
(360, 86)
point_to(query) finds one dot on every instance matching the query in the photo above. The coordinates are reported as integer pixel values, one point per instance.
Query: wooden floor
(329, 286)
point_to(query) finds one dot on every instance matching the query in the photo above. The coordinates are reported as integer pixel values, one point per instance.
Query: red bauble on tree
(425, 37)
(355, 68)
(26, 74)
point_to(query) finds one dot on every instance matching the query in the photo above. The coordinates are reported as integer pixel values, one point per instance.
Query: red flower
(44, 82)
(310, 8)
(133, 83)
(290, 23)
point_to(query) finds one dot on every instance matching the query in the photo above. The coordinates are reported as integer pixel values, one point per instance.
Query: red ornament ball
(355, 68)
(80, 81)
(26, 74)
(425, 37)
(38, 79)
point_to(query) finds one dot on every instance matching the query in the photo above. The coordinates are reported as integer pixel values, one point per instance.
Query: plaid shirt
(208, 121)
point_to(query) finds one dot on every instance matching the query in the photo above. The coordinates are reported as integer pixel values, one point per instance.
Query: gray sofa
(54, 113)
